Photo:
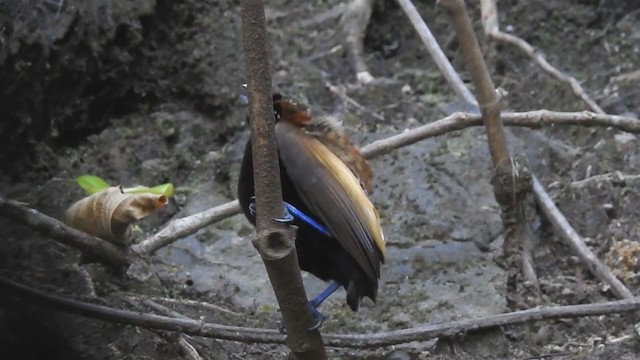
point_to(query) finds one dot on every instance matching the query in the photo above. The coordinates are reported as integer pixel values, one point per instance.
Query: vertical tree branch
(275, 242)
(512, 178)
(485, 90)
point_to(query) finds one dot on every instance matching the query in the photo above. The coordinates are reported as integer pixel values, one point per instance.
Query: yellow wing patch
(351, 185)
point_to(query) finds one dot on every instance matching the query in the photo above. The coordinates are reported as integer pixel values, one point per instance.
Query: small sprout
(91, 184)
(162, 189)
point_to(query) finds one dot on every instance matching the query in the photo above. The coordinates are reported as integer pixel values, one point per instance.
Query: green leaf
(91, 184)
(163, 189)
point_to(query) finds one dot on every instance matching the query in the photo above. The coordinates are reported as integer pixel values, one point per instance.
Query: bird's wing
(334, 194)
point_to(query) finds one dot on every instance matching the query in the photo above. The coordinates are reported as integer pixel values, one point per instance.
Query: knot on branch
(275, 243)
(512, 181)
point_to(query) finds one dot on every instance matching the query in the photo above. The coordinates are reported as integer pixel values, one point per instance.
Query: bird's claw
(287, 218)
(318, 319)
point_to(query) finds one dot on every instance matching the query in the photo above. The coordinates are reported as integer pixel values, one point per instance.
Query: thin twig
(180, 228)
(253, 335)
(491, 28)
(627, 77)
(615, 176)
(443, 63)
(562, 226)
(485, 90)
(50, 227)
(532, 119)
(164, 310)
(105, 313)
(335, 12)
(198, 304)
(341, 93)
(528, 269)
(189, 350)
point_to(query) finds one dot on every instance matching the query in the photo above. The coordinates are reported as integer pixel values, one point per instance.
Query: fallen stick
(197, 304)
(189, 350)
(180, 228)
(616, 176)
(268, 336)
(571, 237)
(50, 227)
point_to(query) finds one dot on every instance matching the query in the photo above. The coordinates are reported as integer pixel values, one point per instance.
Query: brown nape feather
(292, 112)
(329, 131)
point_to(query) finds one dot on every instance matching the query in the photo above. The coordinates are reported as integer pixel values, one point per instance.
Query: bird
(325, 181)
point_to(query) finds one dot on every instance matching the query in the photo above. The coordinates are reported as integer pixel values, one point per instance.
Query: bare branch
(341, 93)
(105, 313)
(50, 227)
(562, 226)
(164, 310)
(485, 90)
(197, 304)
(180, 228)
(275, 241)
(532, 119)
(450, 74)
(189, 350)
(490, 21)
(627, 77)
(615, 176)
(253, 335)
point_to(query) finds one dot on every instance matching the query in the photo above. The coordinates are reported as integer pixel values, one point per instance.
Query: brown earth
(148, 92)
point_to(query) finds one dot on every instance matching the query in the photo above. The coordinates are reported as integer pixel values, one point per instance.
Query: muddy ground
(148, 92)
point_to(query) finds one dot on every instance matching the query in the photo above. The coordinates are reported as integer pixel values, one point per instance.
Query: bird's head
(290, 111)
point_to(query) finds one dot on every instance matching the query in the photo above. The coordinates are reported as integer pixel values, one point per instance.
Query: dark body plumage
(326, 257)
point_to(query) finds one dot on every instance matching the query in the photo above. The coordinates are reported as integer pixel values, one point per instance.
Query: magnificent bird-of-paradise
(324, 180)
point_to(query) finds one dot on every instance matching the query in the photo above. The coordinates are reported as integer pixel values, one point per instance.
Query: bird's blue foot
(293, 214)
(318, 318)
(313, 305)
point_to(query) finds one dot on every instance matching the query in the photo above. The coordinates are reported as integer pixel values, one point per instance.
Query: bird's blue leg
(291, 214)
(313, 304)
